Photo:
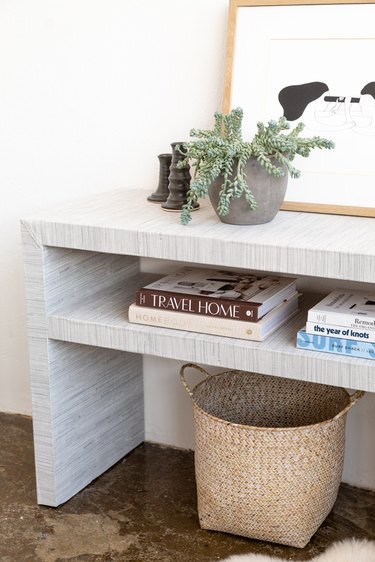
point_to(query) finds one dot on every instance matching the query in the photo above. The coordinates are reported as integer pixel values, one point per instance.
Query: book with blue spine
(340, 346)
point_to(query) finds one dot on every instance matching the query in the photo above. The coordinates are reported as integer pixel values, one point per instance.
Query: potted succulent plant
(245, 180)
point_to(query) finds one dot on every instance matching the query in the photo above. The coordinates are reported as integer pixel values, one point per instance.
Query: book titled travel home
(353, 309)
(218, 293)
(242, 329)
(352, 348)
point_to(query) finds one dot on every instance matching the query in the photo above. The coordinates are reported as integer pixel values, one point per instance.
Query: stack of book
(219, 302)
(343, 322)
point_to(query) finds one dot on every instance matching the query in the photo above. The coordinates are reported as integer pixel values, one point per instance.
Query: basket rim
(266, 428)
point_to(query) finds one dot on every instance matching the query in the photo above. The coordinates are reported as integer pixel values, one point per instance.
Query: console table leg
(87, 401)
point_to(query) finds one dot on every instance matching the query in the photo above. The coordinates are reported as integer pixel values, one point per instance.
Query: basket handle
(191, 366)
(357, 395)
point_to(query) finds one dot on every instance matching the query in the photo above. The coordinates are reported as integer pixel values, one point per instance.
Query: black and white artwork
(298, 61)
(323, 109)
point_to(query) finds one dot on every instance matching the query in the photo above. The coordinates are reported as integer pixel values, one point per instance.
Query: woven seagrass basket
(269, 453)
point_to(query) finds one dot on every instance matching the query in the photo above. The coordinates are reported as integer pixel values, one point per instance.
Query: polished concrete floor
(143, 509)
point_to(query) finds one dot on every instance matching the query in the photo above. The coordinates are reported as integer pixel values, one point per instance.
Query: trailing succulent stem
(222, 152)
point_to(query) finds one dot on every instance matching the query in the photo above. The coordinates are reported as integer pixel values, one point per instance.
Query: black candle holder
(162, 192)
(179, 182)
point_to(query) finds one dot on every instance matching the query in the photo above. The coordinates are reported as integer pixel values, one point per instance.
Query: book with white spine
(345, 307)
(333, 330)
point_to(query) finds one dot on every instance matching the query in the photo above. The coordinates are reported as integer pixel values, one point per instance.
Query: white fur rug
(346, 551)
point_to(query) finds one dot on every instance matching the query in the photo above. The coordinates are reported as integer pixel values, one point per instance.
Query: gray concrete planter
(269, 192)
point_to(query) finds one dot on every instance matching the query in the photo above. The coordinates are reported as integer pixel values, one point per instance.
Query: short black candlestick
(162, 191)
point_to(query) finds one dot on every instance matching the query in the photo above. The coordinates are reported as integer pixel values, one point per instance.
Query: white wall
(91, 91)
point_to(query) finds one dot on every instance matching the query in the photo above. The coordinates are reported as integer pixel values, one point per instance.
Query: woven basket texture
(269, 454)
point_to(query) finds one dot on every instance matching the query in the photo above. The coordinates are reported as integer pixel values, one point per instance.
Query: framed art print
(311, 63)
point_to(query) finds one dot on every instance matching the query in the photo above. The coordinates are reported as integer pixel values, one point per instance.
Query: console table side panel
(98, 412)
(39, 371)
(87, 402)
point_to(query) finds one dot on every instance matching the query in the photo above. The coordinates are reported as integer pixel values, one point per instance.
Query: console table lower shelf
(96, 382)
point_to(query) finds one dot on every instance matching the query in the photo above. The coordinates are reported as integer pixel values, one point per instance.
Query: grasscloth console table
(82, 264)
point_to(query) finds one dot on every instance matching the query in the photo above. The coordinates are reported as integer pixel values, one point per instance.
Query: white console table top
(124, 222)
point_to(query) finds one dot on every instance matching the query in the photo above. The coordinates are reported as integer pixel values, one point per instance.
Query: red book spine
(208, 306)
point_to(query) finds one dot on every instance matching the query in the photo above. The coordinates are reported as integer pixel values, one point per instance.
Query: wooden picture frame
(304, 44)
